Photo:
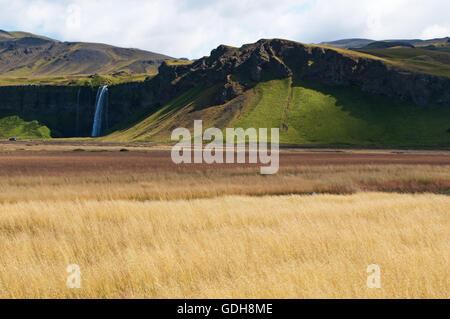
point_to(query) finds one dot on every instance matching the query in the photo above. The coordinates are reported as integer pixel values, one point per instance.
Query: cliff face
(69, 111)
(239, 68)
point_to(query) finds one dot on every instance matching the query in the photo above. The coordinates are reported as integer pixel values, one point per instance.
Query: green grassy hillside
(419, 59)
(348, 43)
(306, 113)
(428, 56)
(74, 80)
(14, 126)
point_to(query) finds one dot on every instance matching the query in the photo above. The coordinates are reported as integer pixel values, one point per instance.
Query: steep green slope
(192, 105)
(14, 126)
(344, 116)
(312, 113)
(307, 113)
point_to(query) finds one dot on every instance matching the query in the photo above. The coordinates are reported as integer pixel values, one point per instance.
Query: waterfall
(100, 109)
(77, 124)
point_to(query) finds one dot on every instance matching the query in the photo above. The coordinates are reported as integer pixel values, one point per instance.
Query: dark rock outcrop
(238, 69)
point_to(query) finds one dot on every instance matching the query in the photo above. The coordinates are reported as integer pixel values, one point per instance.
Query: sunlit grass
(228, 247)
(124, 184)
(140, 227)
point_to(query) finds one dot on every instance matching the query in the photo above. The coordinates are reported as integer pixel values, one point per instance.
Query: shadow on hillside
(393, 121)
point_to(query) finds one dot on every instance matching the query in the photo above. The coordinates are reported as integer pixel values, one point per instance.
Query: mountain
(348, 43)
(386, 45)
(356, 43)
(24, 55)
(438, 43)
(314, 94)
(430, 56)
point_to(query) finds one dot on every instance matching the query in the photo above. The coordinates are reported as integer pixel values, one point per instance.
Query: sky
(192, 28)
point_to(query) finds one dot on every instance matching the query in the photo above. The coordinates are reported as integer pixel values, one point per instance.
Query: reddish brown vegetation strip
(57, 163)
(437, 187)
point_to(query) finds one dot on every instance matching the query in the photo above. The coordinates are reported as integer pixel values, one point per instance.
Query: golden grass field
(228, 247)
(140, 228)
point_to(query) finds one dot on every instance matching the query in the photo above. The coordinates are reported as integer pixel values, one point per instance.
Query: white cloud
(436, 31)
(192, 28)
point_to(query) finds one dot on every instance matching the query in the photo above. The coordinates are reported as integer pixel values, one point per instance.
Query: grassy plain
(228, 247)
(141, 227)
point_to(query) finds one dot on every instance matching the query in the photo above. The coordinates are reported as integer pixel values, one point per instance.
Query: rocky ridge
(238, 69)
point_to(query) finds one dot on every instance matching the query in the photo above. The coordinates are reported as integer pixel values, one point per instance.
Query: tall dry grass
(174, 185)
(228, 247)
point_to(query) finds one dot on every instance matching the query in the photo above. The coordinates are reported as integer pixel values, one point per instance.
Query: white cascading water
(99, 107)
(77, 123)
